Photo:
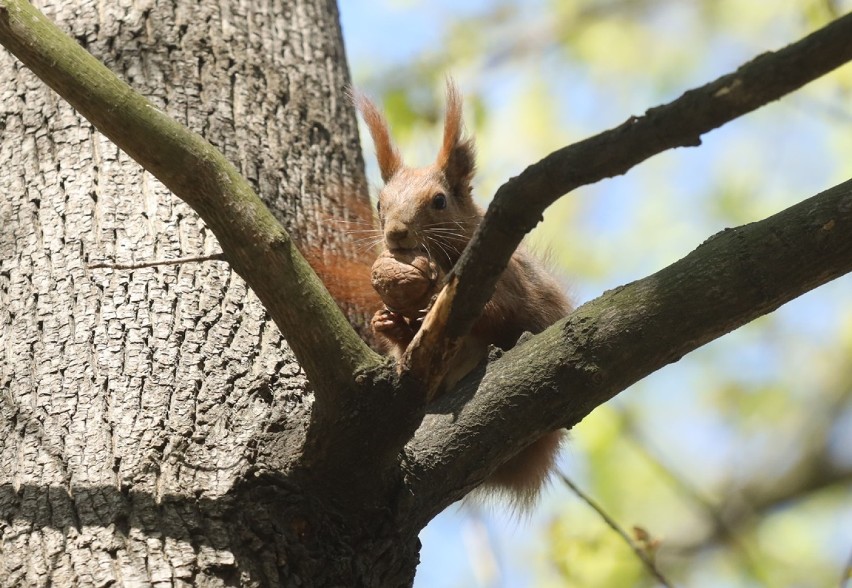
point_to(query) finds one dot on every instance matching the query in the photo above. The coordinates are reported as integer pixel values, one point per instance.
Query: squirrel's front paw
(392, 326)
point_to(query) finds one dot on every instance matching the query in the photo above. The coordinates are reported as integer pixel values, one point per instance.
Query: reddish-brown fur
(431, 209)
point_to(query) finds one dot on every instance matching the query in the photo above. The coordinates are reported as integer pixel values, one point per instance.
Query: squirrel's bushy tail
(520, 479)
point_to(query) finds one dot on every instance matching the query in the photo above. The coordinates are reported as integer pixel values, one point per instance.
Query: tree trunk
(143, 410)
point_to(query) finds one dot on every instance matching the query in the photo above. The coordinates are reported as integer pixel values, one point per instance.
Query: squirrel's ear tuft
(386, 152)
(457, 157)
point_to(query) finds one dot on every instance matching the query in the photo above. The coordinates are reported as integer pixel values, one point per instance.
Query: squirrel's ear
(386, 152)
(457, 157)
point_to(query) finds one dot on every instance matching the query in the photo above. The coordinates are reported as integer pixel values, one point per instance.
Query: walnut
(406, 281)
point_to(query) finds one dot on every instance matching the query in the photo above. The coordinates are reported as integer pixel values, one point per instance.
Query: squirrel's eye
(378, 206)
(439, 201)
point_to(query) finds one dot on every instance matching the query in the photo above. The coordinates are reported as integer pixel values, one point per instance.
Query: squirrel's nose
(398, 236)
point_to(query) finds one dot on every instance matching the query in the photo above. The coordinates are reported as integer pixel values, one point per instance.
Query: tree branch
(519, 203)
(556, 378)
(255, 244)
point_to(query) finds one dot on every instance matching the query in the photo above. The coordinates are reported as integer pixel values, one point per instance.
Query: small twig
(179, 260)
(617, 528)
(847, 573)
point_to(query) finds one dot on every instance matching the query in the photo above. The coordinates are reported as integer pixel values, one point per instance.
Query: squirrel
(431, 210)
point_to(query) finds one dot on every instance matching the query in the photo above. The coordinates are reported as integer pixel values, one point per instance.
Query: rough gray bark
(133, 401)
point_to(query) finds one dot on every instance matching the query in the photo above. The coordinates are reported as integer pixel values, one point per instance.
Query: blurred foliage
(610, 561)
(738, 458)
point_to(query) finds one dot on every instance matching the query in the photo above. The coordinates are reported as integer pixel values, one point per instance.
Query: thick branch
(556, 378)
(254, 243)
(520, 202)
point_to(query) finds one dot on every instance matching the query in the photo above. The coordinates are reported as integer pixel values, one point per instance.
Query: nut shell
(405, 281)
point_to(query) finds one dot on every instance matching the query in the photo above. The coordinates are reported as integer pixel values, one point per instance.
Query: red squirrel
(431, 210)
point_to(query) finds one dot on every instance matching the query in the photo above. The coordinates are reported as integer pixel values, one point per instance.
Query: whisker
(449, 233)
(369, 245)
(366, 244)
(363, 223)
(364, 237)
(455, 221)
(440, 245)
(449, 237)
(364, 233)
(433, 256)
(444, 229)
(461, 218)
